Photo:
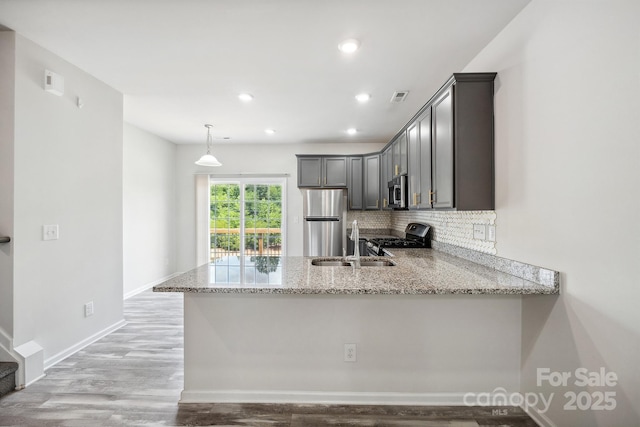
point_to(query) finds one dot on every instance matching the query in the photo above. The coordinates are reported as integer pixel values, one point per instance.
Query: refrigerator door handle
(322, 218)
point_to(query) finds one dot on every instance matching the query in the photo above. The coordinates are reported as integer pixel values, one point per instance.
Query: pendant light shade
(208, 159)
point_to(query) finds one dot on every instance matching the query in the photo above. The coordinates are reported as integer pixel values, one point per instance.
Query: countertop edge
(432, 272)
(287, 291)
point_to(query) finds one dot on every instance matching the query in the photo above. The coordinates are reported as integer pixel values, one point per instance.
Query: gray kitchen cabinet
(414, 165)
(462, 143)
(371, 181)
(446, 150)
(419, 158)
(322, 171)
(399, 150)
(334, 170)
(386, 173)
(442, 150)
(309, 171)
(354, 183)
(425, 181)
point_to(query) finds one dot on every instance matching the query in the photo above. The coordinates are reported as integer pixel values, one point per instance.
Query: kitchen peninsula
(428, 330)
(413, 272)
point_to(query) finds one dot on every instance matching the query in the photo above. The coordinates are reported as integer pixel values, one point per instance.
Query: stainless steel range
(416, 236)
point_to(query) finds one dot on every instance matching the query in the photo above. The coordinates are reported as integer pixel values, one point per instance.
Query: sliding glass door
(246, 229)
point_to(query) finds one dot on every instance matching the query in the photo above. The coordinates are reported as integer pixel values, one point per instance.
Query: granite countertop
(416, 271)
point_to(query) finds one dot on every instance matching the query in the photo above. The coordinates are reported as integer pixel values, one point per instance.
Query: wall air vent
(399, 96)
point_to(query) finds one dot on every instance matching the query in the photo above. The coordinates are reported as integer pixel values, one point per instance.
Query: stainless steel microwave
(398, 192)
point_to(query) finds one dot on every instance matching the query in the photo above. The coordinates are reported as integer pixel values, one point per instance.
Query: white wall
(567, 179)
(148, 209)
(7, 73)
(68, 171)
(246, 158)
(427, 349)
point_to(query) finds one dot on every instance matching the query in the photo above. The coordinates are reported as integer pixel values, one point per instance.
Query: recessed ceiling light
(349, 46)
(352, 131)
(363, 97)
(269, 131)
(246, 97)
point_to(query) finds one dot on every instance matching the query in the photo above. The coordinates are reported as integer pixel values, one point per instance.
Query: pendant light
(208, 159)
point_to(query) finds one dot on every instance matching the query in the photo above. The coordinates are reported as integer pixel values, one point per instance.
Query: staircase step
(7, 377)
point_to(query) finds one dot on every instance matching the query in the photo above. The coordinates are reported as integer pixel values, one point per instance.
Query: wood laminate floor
(134, 377)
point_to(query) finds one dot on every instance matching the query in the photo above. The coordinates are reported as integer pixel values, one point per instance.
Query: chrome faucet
(355, 236)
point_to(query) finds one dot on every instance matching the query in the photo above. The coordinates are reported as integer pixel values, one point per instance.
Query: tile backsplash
(452, 227)
(370, 219)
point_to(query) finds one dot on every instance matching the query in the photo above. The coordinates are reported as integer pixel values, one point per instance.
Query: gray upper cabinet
(354, 183)
(386, 173)
(414, 169)
(372, 181)
(450, 147)
(309, 171)
(424, 133)
(322, 171)
(419, 157)
(442, 150)
(334, 170)
(462, 143)
(446, 150)
(399, 150)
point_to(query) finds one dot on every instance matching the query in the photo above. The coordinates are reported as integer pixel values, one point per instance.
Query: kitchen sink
(341, 263)
(330, 263)
(377, 263)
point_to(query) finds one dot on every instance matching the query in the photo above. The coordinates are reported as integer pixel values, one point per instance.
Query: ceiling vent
(399, 96)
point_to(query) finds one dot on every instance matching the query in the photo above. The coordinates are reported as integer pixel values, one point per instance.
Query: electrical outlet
(350, 353)
(50, 232)
(491, 233)
(479, 231)
(88, 309)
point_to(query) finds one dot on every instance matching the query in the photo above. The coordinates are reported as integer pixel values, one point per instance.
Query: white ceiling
(182, 63)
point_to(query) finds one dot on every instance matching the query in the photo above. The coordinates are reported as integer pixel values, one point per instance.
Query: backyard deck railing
(260, 233)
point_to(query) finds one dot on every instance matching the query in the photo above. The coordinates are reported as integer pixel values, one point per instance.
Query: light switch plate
(50, 232)
(88, 309)
(491, 233)
(479, 231)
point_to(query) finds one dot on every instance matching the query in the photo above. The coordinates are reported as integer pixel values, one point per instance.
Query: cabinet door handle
(325, 180)
(432, 198)
(396, 170)
(384, 203)
(415, 199)
(377, 200)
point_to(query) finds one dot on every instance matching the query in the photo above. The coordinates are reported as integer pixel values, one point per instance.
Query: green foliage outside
(263, 209)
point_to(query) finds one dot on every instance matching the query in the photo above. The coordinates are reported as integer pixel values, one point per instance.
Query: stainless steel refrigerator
(324, 213)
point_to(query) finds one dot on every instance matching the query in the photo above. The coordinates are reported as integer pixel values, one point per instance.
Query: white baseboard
(35, 379)
(57, 358)
(148, 286)
(541, 419)
(336, 398)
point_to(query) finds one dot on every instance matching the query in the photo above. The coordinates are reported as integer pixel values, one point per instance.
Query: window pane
(225, 220)
(262, 229)
(262, 215)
